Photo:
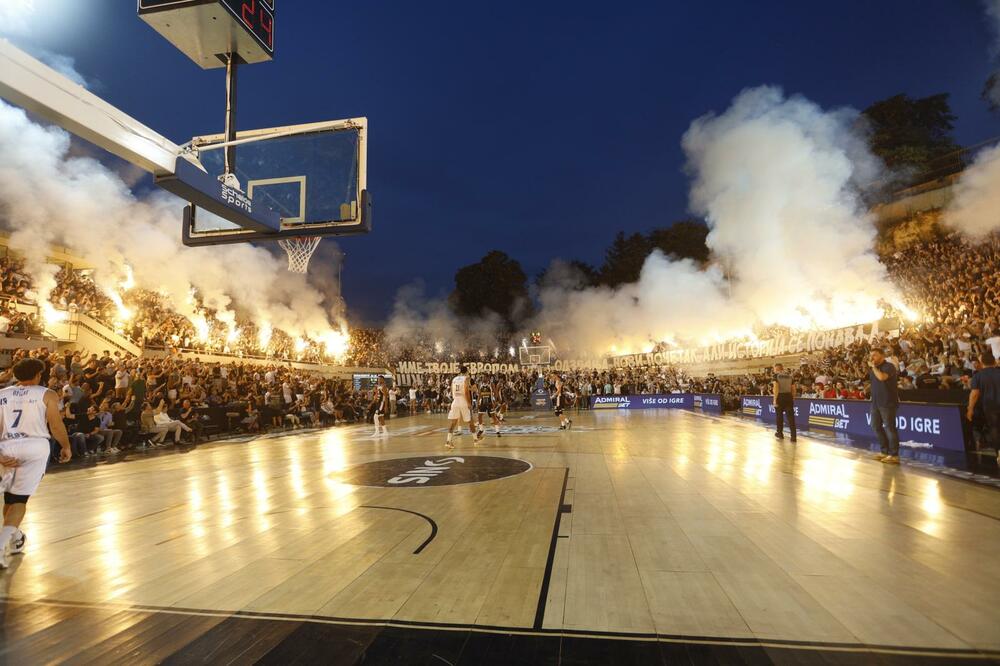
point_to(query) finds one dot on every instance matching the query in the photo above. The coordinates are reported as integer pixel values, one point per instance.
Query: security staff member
(986, 393)
(784, 401)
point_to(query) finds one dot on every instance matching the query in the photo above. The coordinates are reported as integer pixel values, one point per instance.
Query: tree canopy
(910, 133)
(496, 283)
(682, 240)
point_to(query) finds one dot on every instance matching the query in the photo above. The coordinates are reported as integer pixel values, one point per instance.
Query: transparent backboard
(313, 176)
(540, 355)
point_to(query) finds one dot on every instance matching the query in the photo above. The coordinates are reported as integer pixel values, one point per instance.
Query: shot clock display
(207, 30)
(258, 17)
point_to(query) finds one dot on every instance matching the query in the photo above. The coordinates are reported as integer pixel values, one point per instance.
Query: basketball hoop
(299, 249)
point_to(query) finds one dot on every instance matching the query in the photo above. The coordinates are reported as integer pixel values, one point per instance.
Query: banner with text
(798, 343)
(934, 426)
(710, 403)
(706, 402)
(416, 373)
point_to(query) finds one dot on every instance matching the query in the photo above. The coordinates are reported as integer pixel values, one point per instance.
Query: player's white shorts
(460, 410)
(33, 455)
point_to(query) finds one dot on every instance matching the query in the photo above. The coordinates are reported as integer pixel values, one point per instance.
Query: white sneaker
(17, 543)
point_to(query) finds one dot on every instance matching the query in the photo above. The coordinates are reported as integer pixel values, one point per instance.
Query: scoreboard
(207, 30)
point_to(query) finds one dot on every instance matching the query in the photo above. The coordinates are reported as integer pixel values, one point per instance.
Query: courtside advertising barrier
(707, 402)
(710, 403)
(922, 425)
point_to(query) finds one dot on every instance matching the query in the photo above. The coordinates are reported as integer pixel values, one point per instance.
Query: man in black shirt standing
(885, 404)
(783, 390)
(986, 392)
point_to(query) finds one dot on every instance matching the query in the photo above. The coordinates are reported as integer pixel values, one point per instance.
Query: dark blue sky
(540, 129)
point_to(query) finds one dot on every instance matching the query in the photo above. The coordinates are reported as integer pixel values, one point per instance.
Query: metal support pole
(231, 63)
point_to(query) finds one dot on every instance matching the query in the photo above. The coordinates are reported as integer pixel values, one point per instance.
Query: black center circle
(428, 471)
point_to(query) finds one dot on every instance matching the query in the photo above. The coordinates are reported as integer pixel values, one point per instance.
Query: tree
(589, 276)
(682, 240)
(495, 283)
(624, 259)
(575, 274)
(910, 133)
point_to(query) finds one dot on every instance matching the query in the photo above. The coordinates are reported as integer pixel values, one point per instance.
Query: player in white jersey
(29, 414)
(461, 405)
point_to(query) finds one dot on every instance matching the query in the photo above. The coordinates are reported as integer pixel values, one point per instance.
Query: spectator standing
(122, 381)
(885, 404)
(986, 392)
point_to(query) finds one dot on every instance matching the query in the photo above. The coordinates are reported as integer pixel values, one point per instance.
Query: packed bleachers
(112, 402)
(951, 281)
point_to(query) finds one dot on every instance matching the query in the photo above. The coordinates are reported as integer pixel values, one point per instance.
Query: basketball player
(560, 400)
(486, 404)
(461, 404)
(500, 398)
(29, 413)
(381, 405)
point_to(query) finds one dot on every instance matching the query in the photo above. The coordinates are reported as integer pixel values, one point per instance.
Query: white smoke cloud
(417, 319)
(777, 180)
(992, 8)
(16, 16)
(975, 208)
(63, 64)
(48, 197)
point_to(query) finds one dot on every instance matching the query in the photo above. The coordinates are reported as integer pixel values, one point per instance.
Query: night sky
(537, 128)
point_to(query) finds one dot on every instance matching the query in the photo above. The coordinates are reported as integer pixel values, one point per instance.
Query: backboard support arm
(232, 62)
(36, 87)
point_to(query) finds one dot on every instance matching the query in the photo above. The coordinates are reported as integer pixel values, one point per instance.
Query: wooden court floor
(660, 525)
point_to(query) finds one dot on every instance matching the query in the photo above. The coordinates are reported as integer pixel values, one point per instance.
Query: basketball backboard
(537, 355)
(302, 180)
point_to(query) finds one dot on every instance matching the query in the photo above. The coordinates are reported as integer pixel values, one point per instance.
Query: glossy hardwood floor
(664, 525)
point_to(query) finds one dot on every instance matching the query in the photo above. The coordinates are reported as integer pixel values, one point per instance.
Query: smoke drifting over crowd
(778, 180)
(993, 16)
(975, 209)
(48, 197)
(775, 178)
(418, 319)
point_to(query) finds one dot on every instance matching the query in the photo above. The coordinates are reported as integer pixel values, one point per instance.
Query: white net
(299, 250)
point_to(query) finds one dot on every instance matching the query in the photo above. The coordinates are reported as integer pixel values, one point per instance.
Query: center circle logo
(424, 472)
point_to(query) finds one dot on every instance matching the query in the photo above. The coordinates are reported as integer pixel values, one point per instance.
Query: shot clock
(207, 30)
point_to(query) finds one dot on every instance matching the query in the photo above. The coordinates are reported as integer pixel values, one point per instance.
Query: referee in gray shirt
(784, 401)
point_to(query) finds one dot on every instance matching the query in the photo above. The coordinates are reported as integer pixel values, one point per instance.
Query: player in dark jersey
(380, 406)
(560, 401)
(499, 398)
(487, 404)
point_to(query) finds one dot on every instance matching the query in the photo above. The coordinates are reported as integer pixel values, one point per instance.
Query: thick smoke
(993, 15)
(975, 209)
(429, 323)
(777, 180)
(48, 197)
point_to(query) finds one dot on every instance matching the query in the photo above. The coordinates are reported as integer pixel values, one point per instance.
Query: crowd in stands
(950, 281)
(114, 402)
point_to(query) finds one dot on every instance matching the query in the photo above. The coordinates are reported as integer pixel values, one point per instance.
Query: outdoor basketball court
(664, 528)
